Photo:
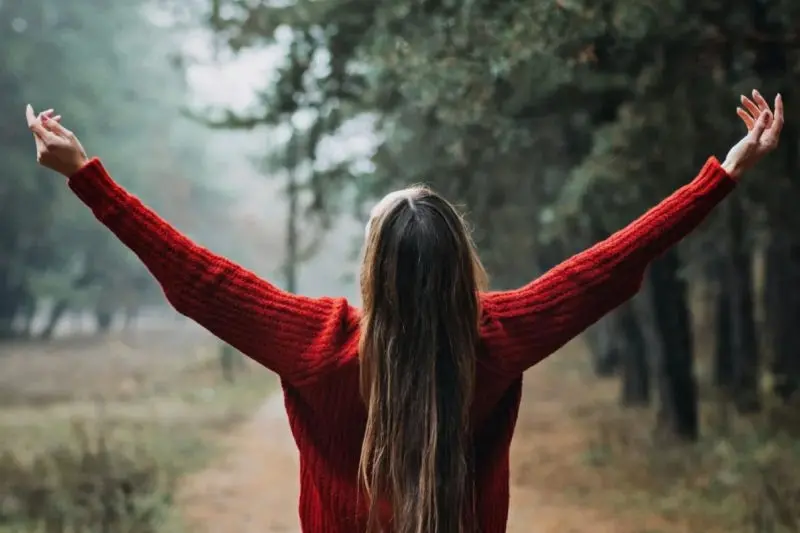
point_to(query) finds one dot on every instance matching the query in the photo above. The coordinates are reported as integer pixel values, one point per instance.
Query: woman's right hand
(763, 134)
(57, 148)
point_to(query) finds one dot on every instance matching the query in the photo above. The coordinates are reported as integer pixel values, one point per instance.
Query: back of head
(420, 281)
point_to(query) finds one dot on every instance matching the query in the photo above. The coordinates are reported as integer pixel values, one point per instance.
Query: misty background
(214, 184)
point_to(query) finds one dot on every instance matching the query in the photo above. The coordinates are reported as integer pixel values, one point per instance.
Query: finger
(31, 118)
(773, 133)
(44, 116)
(760, 102)
(55, 127)
(41, 132)
(29, 114)
(751, 107)
(777, 124)
(760, 126)
(746, 118)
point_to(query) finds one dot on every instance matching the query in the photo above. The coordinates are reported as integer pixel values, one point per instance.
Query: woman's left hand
(763, 134)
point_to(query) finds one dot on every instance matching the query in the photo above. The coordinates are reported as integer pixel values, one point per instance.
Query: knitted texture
(312, 343)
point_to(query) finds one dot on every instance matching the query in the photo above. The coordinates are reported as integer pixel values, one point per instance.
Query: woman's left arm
(524, 326)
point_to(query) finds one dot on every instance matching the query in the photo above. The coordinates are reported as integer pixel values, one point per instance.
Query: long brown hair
(420, 282)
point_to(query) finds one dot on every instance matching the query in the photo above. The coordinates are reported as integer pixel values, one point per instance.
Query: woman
(403, 411)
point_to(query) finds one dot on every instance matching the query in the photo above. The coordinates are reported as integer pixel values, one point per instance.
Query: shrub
(89, 485)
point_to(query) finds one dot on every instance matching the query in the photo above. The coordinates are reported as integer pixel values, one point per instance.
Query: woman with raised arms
(403, 410)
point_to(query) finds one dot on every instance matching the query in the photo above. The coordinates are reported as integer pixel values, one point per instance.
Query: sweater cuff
(94, 187)
(713, 179)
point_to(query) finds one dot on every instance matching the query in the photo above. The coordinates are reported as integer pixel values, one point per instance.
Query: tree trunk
(635, 365)
(58, 311)
(130, 316)
(11, 298)
(772, 60)
(104, 320)
(290, 264)
(227, 356)
(723, 346)
(782, 279)
(677, 414)
(783, 309)
(744, 342)
(602, 341)
(26, 315)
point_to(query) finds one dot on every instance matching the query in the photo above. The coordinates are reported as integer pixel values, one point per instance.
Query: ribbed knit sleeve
(295, 336)
(523, 326)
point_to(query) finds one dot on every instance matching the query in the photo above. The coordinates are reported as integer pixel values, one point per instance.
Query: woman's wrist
(732, 168)
(73, 167)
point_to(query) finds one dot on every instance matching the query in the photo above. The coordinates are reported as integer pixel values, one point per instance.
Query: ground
(156, 397)
(579, 462)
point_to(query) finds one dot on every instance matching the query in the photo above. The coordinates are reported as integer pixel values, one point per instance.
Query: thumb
(760, 126)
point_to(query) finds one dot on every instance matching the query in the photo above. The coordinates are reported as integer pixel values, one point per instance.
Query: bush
(773, 503)
(89, 486)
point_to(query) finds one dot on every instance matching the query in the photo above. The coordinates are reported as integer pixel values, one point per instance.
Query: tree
(77, 57)
(555, 123)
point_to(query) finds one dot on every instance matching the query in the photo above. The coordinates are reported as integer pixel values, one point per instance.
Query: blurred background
(264, 130)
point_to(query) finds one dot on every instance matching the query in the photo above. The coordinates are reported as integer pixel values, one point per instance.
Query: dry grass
(743, 476)
(134, 405)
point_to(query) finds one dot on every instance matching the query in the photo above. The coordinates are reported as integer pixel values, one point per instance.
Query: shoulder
(337, 326)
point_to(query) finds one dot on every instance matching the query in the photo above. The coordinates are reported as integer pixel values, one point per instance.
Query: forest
(127, 102)
(553, 123)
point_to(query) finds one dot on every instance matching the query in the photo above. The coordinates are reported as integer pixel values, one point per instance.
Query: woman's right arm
(295, 336)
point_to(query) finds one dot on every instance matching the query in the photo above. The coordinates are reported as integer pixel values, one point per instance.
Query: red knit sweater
(311, 343)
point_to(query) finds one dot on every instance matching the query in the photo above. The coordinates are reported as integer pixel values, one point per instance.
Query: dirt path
(254, 489)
